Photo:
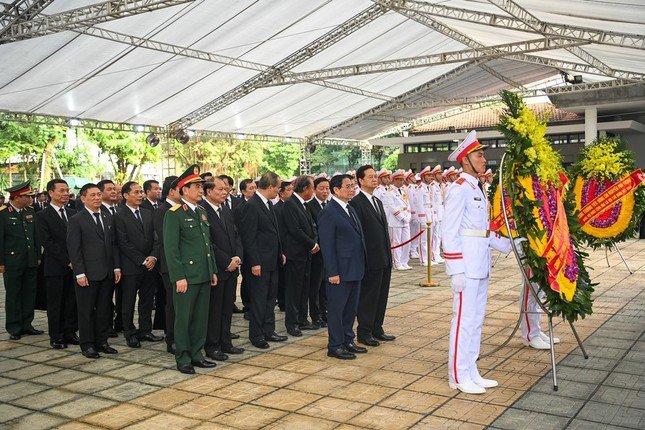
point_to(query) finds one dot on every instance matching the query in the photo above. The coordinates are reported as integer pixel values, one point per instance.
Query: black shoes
(237, 310)
(262, 344)
(294, 331)
(341, 353)
(204, 364)
(369, 341)
(235, 336)
(274, 337)
(73, 340)
(90, 353)
(106, 348)
(353, 348)
(309, 327)
(14, 336)
(58, 344)
(112, 333)
(149, 337)
(246, 316)
(233, 350)
(320, 323)
(217, 355)
(31, 332)
(133, 342)
(186, 368)
(170, 349)
(385, 337)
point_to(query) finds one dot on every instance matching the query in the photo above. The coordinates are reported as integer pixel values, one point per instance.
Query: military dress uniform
(399, 221)
(190, 256)
(425, 212)
(467, 243)
(437, 190)
(20, 256)
(412, 192)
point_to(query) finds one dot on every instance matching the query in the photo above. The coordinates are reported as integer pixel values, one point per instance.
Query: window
(411, 148)
(426, 147)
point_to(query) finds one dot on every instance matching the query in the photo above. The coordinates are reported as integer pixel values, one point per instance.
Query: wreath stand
(621, 257)
(526, 282)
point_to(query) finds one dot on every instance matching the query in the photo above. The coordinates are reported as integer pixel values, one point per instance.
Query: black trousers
(343, 301)
(263, 290)
(62, 317)
(316, 287)
(144, 285)
(244, 287)
(375, 288)
(20, 298)
(159, 320)
(282, 288)
(94, 312)
(170, 309)
(297, 277)
(117, 306)
(220, 314)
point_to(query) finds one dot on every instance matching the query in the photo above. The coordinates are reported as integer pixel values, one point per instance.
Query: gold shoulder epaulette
(3, 207)
(174, 208)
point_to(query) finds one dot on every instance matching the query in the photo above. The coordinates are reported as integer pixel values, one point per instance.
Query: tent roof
(76, 74)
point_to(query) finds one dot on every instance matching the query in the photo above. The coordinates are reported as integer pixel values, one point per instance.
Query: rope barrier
(407, 241)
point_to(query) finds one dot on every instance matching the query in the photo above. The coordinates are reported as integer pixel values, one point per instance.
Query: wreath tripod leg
(623, 258)
(552, 345)
(582, 348)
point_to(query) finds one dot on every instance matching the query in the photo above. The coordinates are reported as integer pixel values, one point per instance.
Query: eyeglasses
(350, 187)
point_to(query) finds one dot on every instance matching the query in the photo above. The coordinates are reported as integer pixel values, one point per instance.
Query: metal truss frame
(21, 10)
(82, 17)
(298, 57)
(593, 35)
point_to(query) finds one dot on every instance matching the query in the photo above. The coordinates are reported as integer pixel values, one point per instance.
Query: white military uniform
(467, 251)
(437, 218)
(425, 207)
(399, 221)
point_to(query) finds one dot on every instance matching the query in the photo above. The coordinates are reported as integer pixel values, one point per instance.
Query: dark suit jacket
(53, 237)
(157, 218)
(341, 243)
(260, 235)
(135, 241)
(106, 211)
(278, 208)
(38, 207)
(91, 252)
(300, 236)
(226, 240)
(147, 205)
(237, 213)
(236, 201)
(314, 209)
(375, 231)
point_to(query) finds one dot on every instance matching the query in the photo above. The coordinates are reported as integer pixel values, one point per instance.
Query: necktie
(481, 187)
(375, 205)
(226, 204)
(138, 216)
(112, 210)
(155, 206)
(62, 215)
(219, 212)
(324, 204)
(99, 224)
(351, 215)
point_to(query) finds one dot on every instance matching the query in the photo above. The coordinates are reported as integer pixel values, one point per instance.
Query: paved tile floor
(398, 385)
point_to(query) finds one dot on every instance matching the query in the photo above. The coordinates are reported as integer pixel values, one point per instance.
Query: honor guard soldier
(192, 270)
(425, 211)
(399, 220)
(384, 177)
(19, 260)
(467, 243)
(411, 189)
(437, 195)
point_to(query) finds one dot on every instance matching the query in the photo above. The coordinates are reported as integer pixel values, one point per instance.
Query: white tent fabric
(76, 75)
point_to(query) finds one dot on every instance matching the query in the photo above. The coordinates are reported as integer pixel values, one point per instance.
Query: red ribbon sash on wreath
(610, 197)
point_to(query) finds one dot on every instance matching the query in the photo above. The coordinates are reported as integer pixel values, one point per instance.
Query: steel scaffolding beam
(483, 53)
(83, 17)
(501, 77)
(593, 35)
(303, 54)
(305, 159)
(21, 10)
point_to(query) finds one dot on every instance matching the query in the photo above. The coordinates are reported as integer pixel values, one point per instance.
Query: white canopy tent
(301, 70)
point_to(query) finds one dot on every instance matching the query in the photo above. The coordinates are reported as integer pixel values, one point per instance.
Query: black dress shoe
(232, 350)
(14, 336)
(262, 344)
(369, 341)
(246, 316)
(320, 323)
(309, 327)
(294, 332)
(133, 342)
(170, 349)
(32, 332)
(217, 355)
(385, 337)
(352, 347)
(341, 353)
(72, 340)
(90, 353)
(237, 310)
(58, 344)
(106, 348)
(149, 337)
(235, 336)
(112, 333)
(186, 368)
(204, 364)
(274, 337)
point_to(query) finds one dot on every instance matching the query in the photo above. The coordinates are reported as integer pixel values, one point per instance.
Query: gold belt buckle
(487, 233)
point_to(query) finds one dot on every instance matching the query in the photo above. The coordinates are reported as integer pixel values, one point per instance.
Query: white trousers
(414, 245)
(399, 235)
(423, 243)
(436, 241)
(530, 322)
(468, 311)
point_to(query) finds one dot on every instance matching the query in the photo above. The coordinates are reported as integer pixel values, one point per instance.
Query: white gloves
(518, 244)
(457, 283)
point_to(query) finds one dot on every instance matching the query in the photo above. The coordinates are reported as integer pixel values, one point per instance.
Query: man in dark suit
(231, 201)
(227, 246)
(61, 300)
(135, 239)
(317, 291)
(263, 255)
(41, 201)
(109, 206)
(375, 285)
(93, 252)
(171, 197)
(284, 193)
(300, 244)
(152, 192)
(343, 249)
(248, 189)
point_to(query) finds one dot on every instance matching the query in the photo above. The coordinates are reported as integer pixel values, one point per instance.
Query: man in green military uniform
(19, 260)
(192, 270)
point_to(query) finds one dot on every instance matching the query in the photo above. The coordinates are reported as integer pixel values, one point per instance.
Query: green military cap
(23, 189)
(190, 176)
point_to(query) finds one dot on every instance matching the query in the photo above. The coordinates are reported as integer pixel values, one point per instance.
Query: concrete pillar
(591, 124)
